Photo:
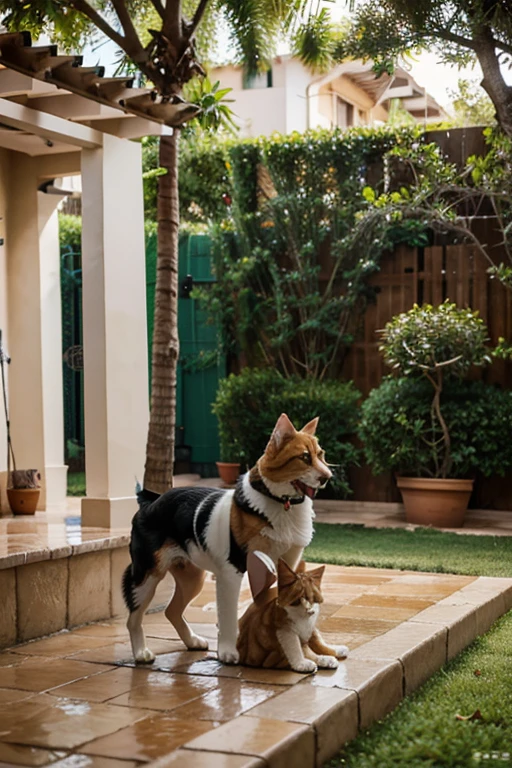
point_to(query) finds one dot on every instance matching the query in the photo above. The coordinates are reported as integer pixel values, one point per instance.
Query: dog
(188, 531)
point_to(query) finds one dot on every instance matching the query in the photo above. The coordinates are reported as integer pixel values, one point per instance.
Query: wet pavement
(77, 700)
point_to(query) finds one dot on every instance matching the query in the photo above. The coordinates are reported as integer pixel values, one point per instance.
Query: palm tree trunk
(160, 443)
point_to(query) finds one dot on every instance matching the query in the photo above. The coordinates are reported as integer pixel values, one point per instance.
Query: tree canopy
(460, 31)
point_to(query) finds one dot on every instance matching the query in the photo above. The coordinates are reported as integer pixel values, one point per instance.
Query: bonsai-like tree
(436, 342)
(159, 39)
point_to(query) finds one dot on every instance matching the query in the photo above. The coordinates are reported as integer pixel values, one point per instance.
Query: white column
(55, 470)
(34, 339)
(116, 405)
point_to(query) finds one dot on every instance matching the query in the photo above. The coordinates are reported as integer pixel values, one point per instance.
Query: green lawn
(424, 549)
(76, 484)
(424, 731)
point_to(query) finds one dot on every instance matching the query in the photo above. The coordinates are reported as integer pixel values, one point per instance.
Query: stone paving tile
(62, 644)
(148, 739)
(105, 686)
(165, 692)
(279, 743)
(65, 724)
(333, 713)
(229, 699)
(90, 761)
(17, 754)
(190, 758)
(38, 674)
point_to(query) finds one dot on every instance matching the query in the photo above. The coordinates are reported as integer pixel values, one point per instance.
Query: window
(261, 80)
(344, 113)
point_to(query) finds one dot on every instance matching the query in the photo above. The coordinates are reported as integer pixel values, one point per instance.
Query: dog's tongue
(307, 490)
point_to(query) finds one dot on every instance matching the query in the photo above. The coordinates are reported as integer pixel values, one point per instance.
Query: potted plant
(23, 485)
(421, 419)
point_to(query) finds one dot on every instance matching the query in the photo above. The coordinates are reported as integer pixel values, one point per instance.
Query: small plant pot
(435, 501)
(228, 471)
(23, 501)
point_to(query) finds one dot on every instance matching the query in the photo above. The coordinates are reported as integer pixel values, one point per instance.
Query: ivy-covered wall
(281, 210)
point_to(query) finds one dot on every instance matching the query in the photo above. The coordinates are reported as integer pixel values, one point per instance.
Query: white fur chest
(302, 623)
(289, 527)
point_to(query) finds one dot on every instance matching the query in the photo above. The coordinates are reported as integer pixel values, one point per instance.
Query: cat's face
(299, 592)
(294, 458)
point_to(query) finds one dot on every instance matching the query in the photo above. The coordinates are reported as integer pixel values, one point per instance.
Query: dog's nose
(324, 476)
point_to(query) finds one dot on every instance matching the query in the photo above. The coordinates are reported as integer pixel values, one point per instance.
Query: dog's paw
(197, 643)
(228, 655)
(341, 651)
(306, 665)
(145, 656)
(327, 662)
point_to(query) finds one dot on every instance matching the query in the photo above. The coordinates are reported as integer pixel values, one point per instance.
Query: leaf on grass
(477, 715)
(477, 673)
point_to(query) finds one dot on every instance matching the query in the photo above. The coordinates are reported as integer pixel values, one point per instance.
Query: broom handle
(10, 451)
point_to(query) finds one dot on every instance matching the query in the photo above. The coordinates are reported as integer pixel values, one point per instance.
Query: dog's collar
(286, 501)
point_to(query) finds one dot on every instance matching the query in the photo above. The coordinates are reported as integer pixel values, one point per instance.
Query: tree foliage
(435, 343)
(290, 286)
(460, 31)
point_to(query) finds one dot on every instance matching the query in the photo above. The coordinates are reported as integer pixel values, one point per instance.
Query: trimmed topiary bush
(436, 344)
(248, 405)
(400, 435)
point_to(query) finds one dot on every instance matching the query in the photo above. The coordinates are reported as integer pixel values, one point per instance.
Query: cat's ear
(317, 574)
(310, 427)
(283, 431)
(261, 571)
(301, 568)
(285, 575)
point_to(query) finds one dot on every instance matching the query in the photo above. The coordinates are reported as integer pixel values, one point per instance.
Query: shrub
(70, 232)
(399, 433)
(248, 405)
(434, 343)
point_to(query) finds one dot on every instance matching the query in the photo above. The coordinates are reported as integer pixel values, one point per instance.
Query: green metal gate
(199, 367)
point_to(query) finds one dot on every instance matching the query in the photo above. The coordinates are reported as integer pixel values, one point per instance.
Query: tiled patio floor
(77, 700)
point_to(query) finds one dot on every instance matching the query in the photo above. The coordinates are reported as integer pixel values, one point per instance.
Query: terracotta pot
(434, 501)
(228, 472)
(23, 501)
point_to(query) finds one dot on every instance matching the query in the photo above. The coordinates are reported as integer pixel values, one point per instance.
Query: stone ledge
(48, 594)
(333, 706)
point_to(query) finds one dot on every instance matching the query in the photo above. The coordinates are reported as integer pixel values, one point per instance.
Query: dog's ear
(310, 427)
(283, 431)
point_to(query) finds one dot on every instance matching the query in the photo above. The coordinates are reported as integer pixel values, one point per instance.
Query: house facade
(290, 98)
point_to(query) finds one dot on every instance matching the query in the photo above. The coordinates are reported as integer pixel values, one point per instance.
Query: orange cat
(278, 629)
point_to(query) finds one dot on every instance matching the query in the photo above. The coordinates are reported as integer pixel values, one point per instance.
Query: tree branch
(137, 52)
(159, 8)
(99, 21)
(198, 15)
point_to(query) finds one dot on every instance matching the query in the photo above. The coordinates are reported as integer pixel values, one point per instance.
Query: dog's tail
(128, 589)
(145, 497)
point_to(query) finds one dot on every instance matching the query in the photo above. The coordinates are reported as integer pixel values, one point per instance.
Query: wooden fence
(409, 276)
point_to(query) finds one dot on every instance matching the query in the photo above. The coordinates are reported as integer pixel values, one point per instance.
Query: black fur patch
(237, 556)
(203, 518)
(128, 589)
(242, 503)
